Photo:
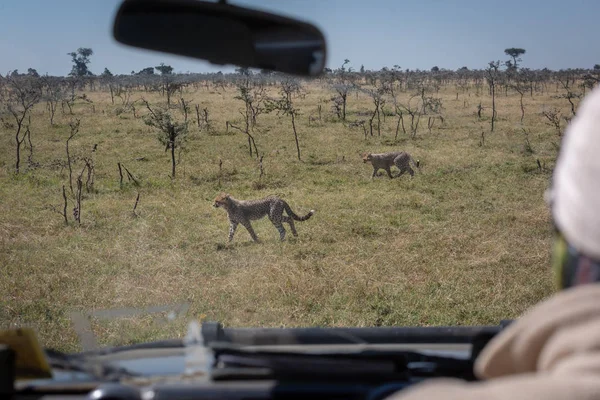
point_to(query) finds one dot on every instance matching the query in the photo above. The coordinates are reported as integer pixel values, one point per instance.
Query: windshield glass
(123, 172)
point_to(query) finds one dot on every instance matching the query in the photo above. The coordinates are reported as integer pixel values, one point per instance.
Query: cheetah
(243, 211)
(400, 159)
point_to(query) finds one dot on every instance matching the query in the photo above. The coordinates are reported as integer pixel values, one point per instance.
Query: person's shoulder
(517, 349)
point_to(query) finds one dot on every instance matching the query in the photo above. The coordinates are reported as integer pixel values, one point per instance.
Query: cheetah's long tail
(292, 214)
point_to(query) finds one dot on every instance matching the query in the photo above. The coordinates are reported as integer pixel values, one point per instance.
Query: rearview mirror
(222, 34)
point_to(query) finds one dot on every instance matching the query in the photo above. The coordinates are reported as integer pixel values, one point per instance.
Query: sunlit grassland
(466, 241)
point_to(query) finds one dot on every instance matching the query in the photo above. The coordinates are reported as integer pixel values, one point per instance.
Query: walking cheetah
(243, 211)
(400, 159)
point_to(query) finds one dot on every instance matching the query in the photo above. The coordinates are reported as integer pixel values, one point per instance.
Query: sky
(374, 33)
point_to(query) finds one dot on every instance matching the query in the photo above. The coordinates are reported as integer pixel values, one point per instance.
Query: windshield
(407, 181)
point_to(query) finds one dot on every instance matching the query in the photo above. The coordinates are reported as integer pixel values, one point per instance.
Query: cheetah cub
(400, 159)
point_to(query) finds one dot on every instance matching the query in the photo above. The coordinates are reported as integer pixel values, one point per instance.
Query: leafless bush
(570, 95)
(203, 120)
(492, 76)
(284, 105)
(554, 117)
(74, 125)
(342, 85)
(185, 108)
(53, 95)
(376, 94)
(21, 95)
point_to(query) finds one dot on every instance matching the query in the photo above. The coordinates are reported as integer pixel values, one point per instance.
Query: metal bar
(288, 336)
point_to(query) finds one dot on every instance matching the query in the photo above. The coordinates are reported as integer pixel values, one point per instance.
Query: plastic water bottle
(198, 357)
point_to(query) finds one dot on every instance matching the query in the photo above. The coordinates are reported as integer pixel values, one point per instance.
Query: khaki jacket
(552, 352)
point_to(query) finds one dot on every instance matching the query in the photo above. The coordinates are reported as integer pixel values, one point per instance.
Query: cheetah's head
(221, 200)
(366, 157)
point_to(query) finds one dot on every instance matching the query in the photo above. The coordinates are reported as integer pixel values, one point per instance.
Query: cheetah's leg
(290, 221)
(398, 163)
(374, 172)
(277, 222)
(232, 228)
(276, 216)
(250, 230)
(389, 172)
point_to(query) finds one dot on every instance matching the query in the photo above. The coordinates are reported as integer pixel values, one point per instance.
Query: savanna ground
(467, 241)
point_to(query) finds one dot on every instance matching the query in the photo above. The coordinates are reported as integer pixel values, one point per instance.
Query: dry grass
(465, 242)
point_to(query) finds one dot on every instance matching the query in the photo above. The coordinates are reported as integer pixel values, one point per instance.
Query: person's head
(575, 199)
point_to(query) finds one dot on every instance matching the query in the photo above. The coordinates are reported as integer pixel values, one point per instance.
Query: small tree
(164, 69)
(146, 71)
(521, 85)
(554, 117)
(419, 104)
(492, 76)
(108, 79)
(185, 108)
(289, 89)
(74, 125)
(570, 95)
(169, 87)
(391, 82)
(23, 94)
(121, 89)
(515, 53)
(376, 95)
(72, 83)
(253, 94)
(89, 167)
(342, 86)
(204, 121)
(53, 95)
(172, 134)
(81, 59)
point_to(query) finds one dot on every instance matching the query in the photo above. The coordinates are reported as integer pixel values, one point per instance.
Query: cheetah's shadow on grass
(231, 246)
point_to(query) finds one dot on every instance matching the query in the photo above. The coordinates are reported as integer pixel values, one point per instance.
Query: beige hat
(575, 193)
